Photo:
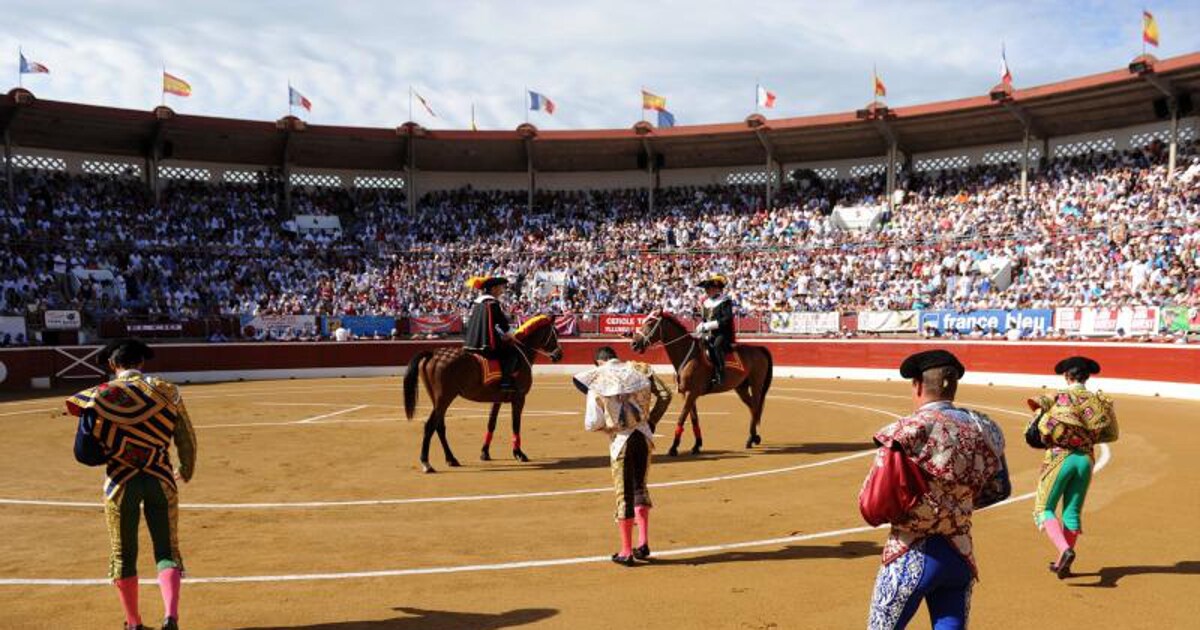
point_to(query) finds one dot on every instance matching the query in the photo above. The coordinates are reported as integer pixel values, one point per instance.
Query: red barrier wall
(1169, 363)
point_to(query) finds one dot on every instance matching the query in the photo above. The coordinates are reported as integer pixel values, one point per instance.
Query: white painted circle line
(1105, 457)
(481, 497)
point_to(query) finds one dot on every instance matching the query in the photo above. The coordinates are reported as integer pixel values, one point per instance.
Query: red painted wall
(1179, 364)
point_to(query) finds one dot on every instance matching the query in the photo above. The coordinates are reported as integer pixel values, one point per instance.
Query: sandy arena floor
(308, 511)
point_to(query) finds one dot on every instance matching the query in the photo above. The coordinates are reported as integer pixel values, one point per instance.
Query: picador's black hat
(126, 352)
(1085, 364)
(915, 365)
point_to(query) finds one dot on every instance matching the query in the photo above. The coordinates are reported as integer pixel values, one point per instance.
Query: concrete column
(410, 171)
(532, 175)
(1174, 146)
(891, 176)
(8, 170)
(1025, 167)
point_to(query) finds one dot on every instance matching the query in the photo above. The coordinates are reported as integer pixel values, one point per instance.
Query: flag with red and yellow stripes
(174, 85)
(1149, 29)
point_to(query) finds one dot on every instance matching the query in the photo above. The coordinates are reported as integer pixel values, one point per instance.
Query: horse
(693, 373)
(452, 372)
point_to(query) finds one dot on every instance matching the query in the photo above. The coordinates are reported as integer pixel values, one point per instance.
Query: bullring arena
(308, 495)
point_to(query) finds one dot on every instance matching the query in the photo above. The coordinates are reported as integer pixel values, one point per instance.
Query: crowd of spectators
(1094, 230)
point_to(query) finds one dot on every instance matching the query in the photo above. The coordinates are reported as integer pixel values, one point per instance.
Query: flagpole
(410, 93)
(291, 108)
(20, 75)
(756, 86)
(163, 86)
(643, 103)
(527, 103)
(1143, 31)
(874, 85)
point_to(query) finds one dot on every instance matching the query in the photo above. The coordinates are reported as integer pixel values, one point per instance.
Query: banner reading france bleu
(361, 325)
(1038, 320)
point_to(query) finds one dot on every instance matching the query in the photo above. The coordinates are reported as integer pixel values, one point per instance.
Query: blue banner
(360, 325)
(1040, 320)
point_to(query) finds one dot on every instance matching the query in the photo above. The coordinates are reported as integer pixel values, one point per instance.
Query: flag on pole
(540, 102)
(424, 104)
(1149, 28)
(880, 88)
(1005, 73)
(174, 85)
(296, 98)
(666, 119)
(653, 101)
(474, 127)
(766, 98)
(32, 67)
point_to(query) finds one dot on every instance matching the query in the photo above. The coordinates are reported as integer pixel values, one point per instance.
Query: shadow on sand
(847, 550)
(1109, 576)
(419, 618)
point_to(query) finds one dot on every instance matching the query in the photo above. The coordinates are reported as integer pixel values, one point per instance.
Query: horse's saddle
(733, 362)
(489, 368)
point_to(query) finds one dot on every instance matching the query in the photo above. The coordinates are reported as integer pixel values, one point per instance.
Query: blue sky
(356, 59)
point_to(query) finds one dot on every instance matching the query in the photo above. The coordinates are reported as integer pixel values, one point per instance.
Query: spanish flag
(653, 101)
(174, 85)
(880, 88)
(1149, 29)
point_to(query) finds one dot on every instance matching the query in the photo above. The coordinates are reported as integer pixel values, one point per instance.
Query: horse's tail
(410, 382)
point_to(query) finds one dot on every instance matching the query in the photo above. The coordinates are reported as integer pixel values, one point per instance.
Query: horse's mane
(532, 325)
(671, 318)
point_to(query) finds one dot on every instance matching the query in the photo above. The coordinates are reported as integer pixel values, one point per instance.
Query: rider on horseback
(488, 331)
(716, 327)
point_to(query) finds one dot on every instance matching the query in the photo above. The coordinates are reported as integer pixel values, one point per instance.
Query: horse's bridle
(645, 337)
(548, 355)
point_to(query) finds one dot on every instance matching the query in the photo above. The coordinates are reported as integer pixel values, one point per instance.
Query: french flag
(540, 102)
(766, 98)
(32, 67)
(1005, 73)
(296, 98)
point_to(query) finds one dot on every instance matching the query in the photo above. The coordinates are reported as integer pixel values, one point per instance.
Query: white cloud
(355, 60)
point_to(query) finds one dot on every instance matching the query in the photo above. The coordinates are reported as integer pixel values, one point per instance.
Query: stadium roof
(1097, 102)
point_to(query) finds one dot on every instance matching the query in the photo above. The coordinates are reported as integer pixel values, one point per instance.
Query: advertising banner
(888, 321)
(1039, 320)
(620, 324)
(427, 324)
(277, 324)
(805, 323)
(12, 328)
(1181, 318)
(62, 320)
(361, 325)
(1106, 321)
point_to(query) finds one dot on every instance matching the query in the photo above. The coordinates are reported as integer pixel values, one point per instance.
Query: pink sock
(642, 514)
(626, 527)
(169, 582)
(1071, 537)
(516, 442)
(1054, 531)
(127, 590)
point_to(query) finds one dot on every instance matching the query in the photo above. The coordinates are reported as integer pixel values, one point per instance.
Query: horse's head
(650, 332)
(538, 333)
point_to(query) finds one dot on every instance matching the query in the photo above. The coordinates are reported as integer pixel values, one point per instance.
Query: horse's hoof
(674, 452)
(753, 441)
(427, 469)
(696, 450)
(757, 439)
(453, 463)
(519, 455)
(484, 455)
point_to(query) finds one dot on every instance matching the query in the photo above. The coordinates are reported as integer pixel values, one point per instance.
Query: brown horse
(453, 372)
(693, 373)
